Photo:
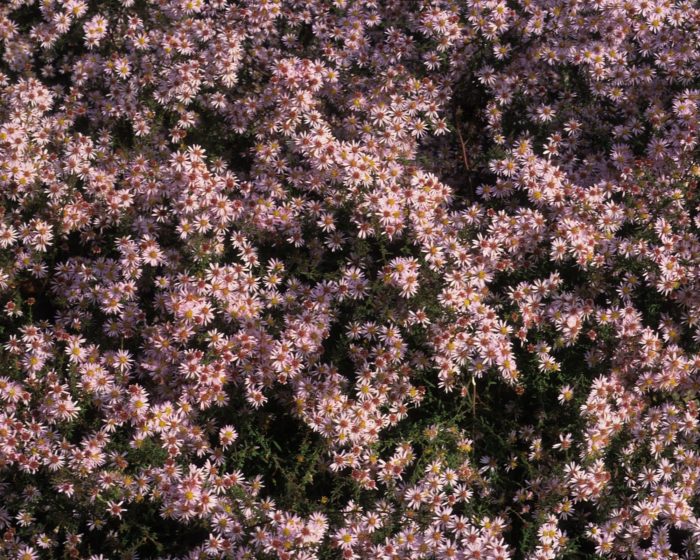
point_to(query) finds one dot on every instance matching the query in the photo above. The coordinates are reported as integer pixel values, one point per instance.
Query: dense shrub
(389, 279)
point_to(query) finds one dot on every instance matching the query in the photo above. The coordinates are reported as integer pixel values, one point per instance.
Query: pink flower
(115, 509)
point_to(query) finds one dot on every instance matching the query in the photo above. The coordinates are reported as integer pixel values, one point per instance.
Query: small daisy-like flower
(115, 509)
(566, 394)
(227, 435)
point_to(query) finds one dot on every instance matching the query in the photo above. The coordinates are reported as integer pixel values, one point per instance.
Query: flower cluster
(294, 279)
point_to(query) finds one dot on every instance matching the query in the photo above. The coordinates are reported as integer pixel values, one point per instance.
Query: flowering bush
(397, 279)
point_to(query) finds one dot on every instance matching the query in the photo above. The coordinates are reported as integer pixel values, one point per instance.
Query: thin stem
(465, 156)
